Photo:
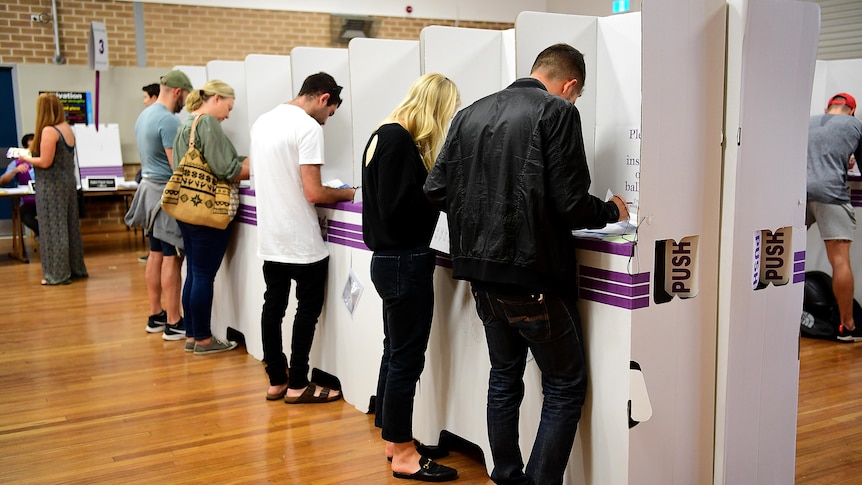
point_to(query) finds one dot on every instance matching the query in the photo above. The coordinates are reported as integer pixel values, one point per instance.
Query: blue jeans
(405, 282)
(205, 248)
(549, 326)
(310, 290)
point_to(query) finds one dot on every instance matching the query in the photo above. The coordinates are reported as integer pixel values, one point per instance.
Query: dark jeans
(549, 326)
(310, 290)
(404, 280)
(28, 217)
(205, 248)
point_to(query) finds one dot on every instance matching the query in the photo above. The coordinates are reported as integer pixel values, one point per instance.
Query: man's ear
(571, 86)
(324, 99)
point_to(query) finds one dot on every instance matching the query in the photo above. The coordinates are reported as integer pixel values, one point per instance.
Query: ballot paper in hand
(15, 152)
(336, 184)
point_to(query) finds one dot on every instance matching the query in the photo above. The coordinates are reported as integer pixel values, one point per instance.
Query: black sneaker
(845, 335)
(156, 323)
(175, 332)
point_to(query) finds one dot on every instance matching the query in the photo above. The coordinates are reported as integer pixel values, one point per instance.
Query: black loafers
(429, 471)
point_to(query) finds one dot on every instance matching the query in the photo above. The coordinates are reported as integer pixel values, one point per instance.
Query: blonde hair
(214, 87)
(49, 112)
(426, 110)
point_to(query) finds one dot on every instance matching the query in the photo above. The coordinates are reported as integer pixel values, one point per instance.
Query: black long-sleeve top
(395, 212)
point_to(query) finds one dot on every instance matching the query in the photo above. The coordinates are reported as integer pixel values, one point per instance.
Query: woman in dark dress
(62, 249)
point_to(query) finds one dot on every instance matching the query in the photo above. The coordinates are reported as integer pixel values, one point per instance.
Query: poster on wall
(78, 106)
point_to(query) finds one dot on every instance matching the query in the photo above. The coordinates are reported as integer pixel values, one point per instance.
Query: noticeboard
(78, 106)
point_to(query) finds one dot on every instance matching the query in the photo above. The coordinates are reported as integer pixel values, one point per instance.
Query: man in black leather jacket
(514, 180)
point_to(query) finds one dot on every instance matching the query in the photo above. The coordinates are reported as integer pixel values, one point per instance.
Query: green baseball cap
(176, 79)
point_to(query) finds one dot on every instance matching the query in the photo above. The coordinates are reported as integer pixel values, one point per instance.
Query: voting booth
(692, 362)
(99, 155)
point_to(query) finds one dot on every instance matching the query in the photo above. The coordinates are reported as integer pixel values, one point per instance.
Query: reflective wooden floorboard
(89, 397)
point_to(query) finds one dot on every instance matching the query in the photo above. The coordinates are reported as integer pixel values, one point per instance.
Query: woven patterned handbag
(194, 194)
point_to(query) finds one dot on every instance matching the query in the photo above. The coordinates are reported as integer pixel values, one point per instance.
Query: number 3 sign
(98, 47)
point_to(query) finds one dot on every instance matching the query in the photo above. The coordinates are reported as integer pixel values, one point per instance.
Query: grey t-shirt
(155, 130)
(831, 141)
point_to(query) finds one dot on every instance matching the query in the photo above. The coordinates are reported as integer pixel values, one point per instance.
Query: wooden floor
(87, 396)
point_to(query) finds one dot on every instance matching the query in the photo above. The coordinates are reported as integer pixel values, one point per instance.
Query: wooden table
(15, 195)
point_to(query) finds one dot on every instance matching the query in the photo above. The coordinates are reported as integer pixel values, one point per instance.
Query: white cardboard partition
(376, 91)
(471, 58)
(197, 74)
(236, 126)
(771, 55)
(680, 192)
(578, 31)
(268, 83)
(338, 133)
(99, 152)
(618, 92)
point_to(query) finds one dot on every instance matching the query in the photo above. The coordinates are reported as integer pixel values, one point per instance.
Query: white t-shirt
(287, 225)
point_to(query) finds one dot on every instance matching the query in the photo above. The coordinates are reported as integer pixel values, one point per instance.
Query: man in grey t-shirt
(155, 130)
(833, 138)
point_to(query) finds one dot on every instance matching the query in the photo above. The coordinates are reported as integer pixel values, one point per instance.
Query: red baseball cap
(848, 100)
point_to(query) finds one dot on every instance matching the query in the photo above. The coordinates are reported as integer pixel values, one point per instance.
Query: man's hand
(621, 206)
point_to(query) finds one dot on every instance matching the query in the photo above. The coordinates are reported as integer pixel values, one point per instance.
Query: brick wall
(178, 34)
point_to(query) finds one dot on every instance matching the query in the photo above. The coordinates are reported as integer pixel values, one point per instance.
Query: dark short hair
(322, 83)
(152, 90)
(562, 61)
(26, 139)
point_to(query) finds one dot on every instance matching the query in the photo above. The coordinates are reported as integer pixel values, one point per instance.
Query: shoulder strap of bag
(192, 135)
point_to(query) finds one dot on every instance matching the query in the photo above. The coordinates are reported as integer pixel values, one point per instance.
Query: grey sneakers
(214, 347)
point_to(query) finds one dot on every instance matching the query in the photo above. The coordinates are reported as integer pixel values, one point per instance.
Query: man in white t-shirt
(286, 156)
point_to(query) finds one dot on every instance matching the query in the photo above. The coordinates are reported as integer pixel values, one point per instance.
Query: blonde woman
(398, 222)
(56, 198)
(206, 246)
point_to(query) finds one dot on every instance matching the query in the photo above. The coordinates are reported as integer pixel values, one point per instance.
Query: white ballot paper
(352, 291)
(440, 238)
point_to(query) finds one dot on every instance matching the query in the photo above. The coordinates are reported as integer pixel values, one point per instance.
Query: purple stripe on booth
(617, 301)
(799, 256)
(344, 206)
(798, 277)
(101, 171)
(353, 236)
(625, 278)
(799, 266)
(613, 288)
(345, 225)
(245, 220)
(346, 242)
(246, 191)
(598, 245)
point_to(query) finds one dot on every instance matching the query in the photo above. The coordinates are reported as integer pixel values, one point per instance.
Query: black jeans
(310, 289)
(549, 326)
(405, 282)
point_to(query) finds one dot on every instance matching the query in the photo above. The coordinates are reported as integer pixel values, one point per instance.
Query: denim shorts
(159, 246)
(835, 221)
